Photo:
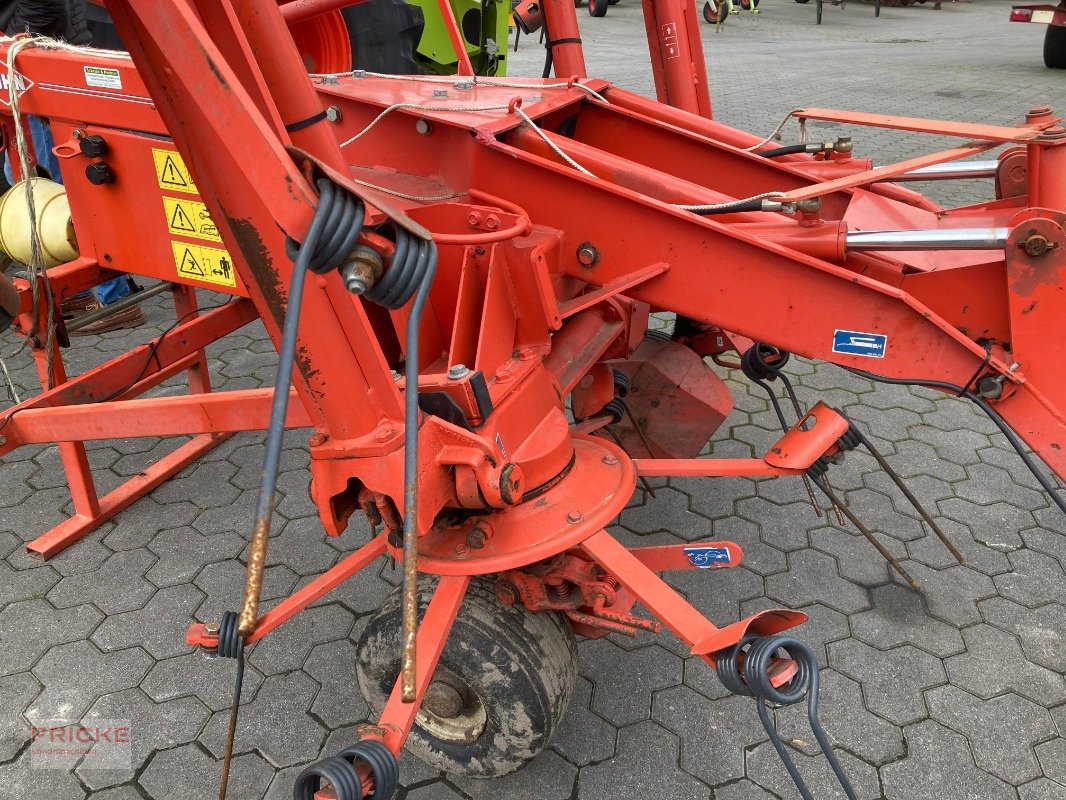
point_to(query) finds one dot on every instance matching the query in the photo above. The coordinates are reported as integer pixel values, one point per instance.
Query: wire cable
(991, 413)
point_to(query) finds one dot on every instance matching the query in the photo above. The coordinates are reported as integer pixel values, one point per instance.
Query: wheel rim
(451, 710)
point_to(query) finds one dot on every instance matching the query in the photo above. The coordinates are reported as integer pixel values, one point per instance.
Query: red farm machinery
(458, 273)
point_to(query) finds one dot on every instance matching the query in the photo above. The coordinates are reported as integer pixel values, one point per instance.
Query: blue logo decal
(857, 343)
(707, 557)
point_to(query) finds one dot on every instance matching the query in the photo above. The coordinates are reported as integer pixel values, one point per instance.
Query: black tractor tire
(384, 36)
(613, 2)
(803, 1)
(1055, 47)
(598, 8)
(508, 670)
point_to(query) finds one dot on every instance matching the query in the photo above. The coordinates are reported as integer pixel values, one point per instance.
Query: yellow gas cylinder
(54, 226)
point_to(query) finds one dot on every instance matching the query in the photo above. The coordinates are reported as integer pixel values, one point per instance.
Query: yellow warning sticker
(171, 171)
(190, 218)
(201, 263)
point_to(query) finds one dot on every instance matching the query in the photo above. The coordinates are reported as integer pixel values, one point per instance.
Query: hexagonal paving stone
(152, 727)
(1041, 631)
(1034, 580)
(188, 773)
(74, 675)
(1002, 731)
(18, 692)
(29, 628)
(209, 678)
(546, 777)
(846, 721)
(339, 702)
(623, 682)
(813, 577)
(275, 723)
(993, 664)
(938, 766)
(892, 681)
(951, 594)
(118, 585)
(583, 737)
(1052, 758)
(646, 764)
(766, 769)
(184, 551)
(1041, 789)
(159, 627)
(20, 779)
(898, 617)
(714, 733)
(288, 647)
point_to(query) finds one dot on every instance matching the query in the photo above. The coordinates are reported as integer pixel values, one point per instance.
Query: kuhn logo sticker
(22, 85)
(858, 343)
(707, 557)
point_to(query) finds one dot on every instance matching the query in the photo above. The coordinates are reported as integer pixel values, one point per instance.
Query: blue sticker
(707, 557)
(857, 343)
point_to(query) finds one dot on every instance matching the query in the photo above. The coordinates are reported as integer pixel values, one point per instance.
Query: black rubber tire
(598, 8)
(1055, 47)
(384, 35)
(803, 1)
(521, 665)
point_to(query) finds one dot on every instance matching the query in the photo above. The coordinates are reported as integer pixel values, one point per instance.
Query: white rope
(558, 150)
(416, 107)
(47, 43)
(10, 385)
(723, 208)
(778, 129)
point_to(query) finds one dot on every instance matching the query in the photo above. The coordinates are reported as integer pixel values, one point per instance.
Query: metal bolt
(458, 372)
(475, 538)
(574, 517)
(588, 255)
(396, 375)
(317, 440)
(362, 270)
(991, 386)
(610, 460)
(358, 73)
(811, 205)
(424, 127)
(330, 80)
(506, 593)
(464, 85)
(1014, 367)
(440, 93)
(1035, 246)
(333, 114)
(212, 628)
(383, 434)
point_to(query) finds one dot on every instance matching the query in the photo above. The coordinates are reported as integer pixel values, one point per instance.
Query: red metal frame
(533, 292)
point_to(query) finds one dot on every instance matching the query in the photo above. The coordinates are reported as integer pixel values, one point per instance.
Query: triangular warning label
(190, 266)
(171, 175)
(179, 220)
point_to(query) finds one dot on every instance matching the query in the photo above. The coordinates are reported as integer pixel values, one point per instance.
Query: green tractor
(408, 38)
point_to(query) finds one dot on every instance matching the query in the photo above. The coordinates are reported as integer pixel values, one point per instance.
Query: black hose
(991, 413)
(731, 208)
(337, 772)
(787, 150)
(753, 680)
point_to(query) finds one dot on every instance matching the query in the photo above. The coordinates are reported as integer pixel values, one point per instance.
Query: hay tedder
(458, 274)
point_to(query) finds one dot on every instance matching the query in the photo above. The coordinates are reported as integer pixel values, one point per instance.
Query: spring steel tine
(617, 441)
(637, 428)
(810, 495)
(825, 487)
(907, 493)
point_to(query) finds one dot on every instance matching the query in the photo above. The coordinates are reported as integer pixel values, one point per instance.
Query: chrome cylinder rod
(950, 170)
(945, 239)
